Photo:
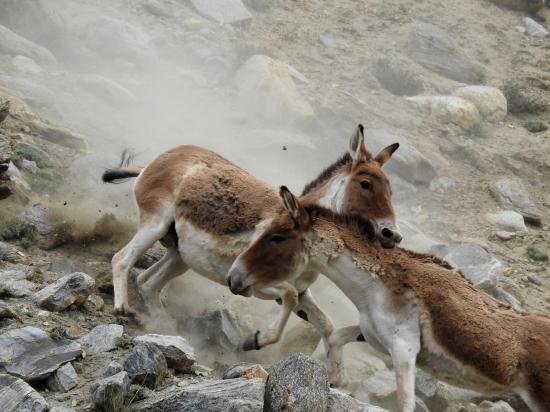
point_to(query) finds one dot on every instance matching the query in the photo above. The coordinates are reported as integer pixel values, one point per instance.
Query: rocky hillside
(276, 86)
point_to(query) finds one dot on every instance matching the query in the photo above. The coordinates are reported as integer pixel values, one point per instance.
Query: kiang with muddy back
(412, 306)
(207, 210)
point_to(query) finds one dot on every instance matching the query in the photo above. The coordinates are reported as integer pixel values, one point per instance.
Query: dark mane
(327, 173)
(351, 221)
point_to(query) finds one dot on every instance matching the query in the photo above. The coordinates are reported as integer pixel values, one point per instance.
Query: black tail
(124, 171)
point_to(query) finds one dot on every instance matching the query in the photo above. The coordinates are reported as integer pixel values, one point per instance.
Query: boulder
(433, 48)
(217, 328)
(31, 354)
(4, 112)
(67, 291)
(489, 101)
(508, 221)
(223, 11)
(12, 44)
(18, 396)
(64, 379)
(534, 29)
(243, 395)
(108, 393)
(178, 353)
(266, 89)
(448, 109)
(246, 370)
(297, 383)
(49, 234)
(327, 41)
(146, 365)
(340, 402)
(102, 338)
(112, 369)
(396, 76)
(15, 282)
(482, 268)
(512, 195)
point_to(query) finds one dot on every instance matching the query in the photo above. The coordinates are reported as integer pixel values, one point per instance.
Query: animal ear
(357, 148)
(291, 203)
(385, 154)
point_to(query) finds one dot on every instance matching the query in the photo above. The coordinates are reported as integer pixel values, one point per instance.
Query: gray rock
(4, 109)
(396, 77)
(13, 45)
(146, 365)
(507, 298)
(327, 41)
(30, 353)
(433, 48)
(15, 283)
(489, 101)
(382, 390)
(245, 370)
(243, 395)
(482, 268)
(159, 8)
(448, 109)
(62, 266)
(112, 369)
(108, 393)
(508, 221)
(177, 351)
(442, 184)
(48, 233)
(223, 11)
(6, 312)
(298, 383)
(512, 195)
(64, 379)
(340, 402)
(102, 338)
(217, 328)
(534, 29)
(58, 135)
(29, 166)
(69, 290)
(18, 396)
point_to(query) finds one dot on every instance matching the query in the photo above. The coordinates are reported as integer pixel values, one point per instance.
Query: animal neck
(331, 194)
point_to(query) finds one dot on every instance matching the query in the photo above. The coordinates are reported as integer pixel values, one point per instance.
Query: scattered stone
(14, 282)
(442, 184)
(508, 221)
(12, 44)
(102, 338)
(108, 393)
(31, 354)
(246, 370)
(448, 109)
(94, 303)
(504, 235)
(531, 277)
(146, 365)
(17, 396)
(4, 109)
(535, 126)
(265, 87)
(536, 254)
(64, 379)
(433, 48)
(327, 41)
(297, 383)
(482, 268)
(67, 291)
(489, 101)
(159, 9)
(6, 312)
(223, 11)
(217, 328)
(296, 75)
(48, 233)
(534, 29)
(17, 182)
(512, 195)
(178, 353)
(396, 76)
(340, 402)
(243, 395)
(112, 369)
(507, 298)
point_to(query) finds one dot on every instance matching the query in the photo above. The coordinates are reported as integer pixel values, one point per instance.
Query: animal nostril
(387, 233)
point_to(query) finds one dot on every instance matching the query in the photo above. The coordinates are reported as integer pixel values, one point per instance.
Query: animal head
(356, 184)
(281, 252)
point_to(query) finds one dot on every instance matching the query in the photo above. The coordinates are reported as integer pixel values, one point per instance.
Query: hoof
(123, 311)
(251, 342)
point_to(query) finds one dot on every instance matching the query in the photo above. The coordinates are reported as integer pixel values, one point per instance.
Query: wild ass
(216, 209)
(412, 306)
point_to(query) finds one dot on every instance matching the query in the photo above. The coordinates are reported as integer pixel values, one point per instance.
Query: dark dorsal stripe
(327, 173)
(350, 221)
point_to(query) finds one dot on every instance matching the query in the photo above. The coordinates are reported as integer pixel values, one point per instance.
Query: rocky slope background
(276, 86)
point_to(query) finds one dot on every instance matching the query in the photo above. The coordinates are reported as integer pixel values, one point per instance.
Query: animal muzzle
(237, 284)
(389, 235)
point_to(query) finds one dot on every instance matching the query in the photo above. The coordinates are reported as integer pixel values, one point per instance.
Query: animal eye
(365, 184)
(276, 239)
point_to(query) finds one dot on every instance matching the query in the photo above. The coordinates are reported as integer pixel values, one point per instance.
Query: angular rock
(327, 41)
(534, 29)
(178, 353)
(217, 328)
(18, 396)
(108, 393)
(246, 370)
(433, 48)
(512, 195)
(482, 268)
(64, 379)
(13, 45)
(58, 135)
(149, 258)
(146, 365)
(15, 283)
(489, 101)
(223, 11)
(448, 109)
(6, 312)
(298, 383)
(31, 354)
(265, 87)
(69, 290)
(48, 233)
(112, 369)
(508, 221)
(243, 395)
(340, 402)
(102, 338)
(29, 151)
(4, 109)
